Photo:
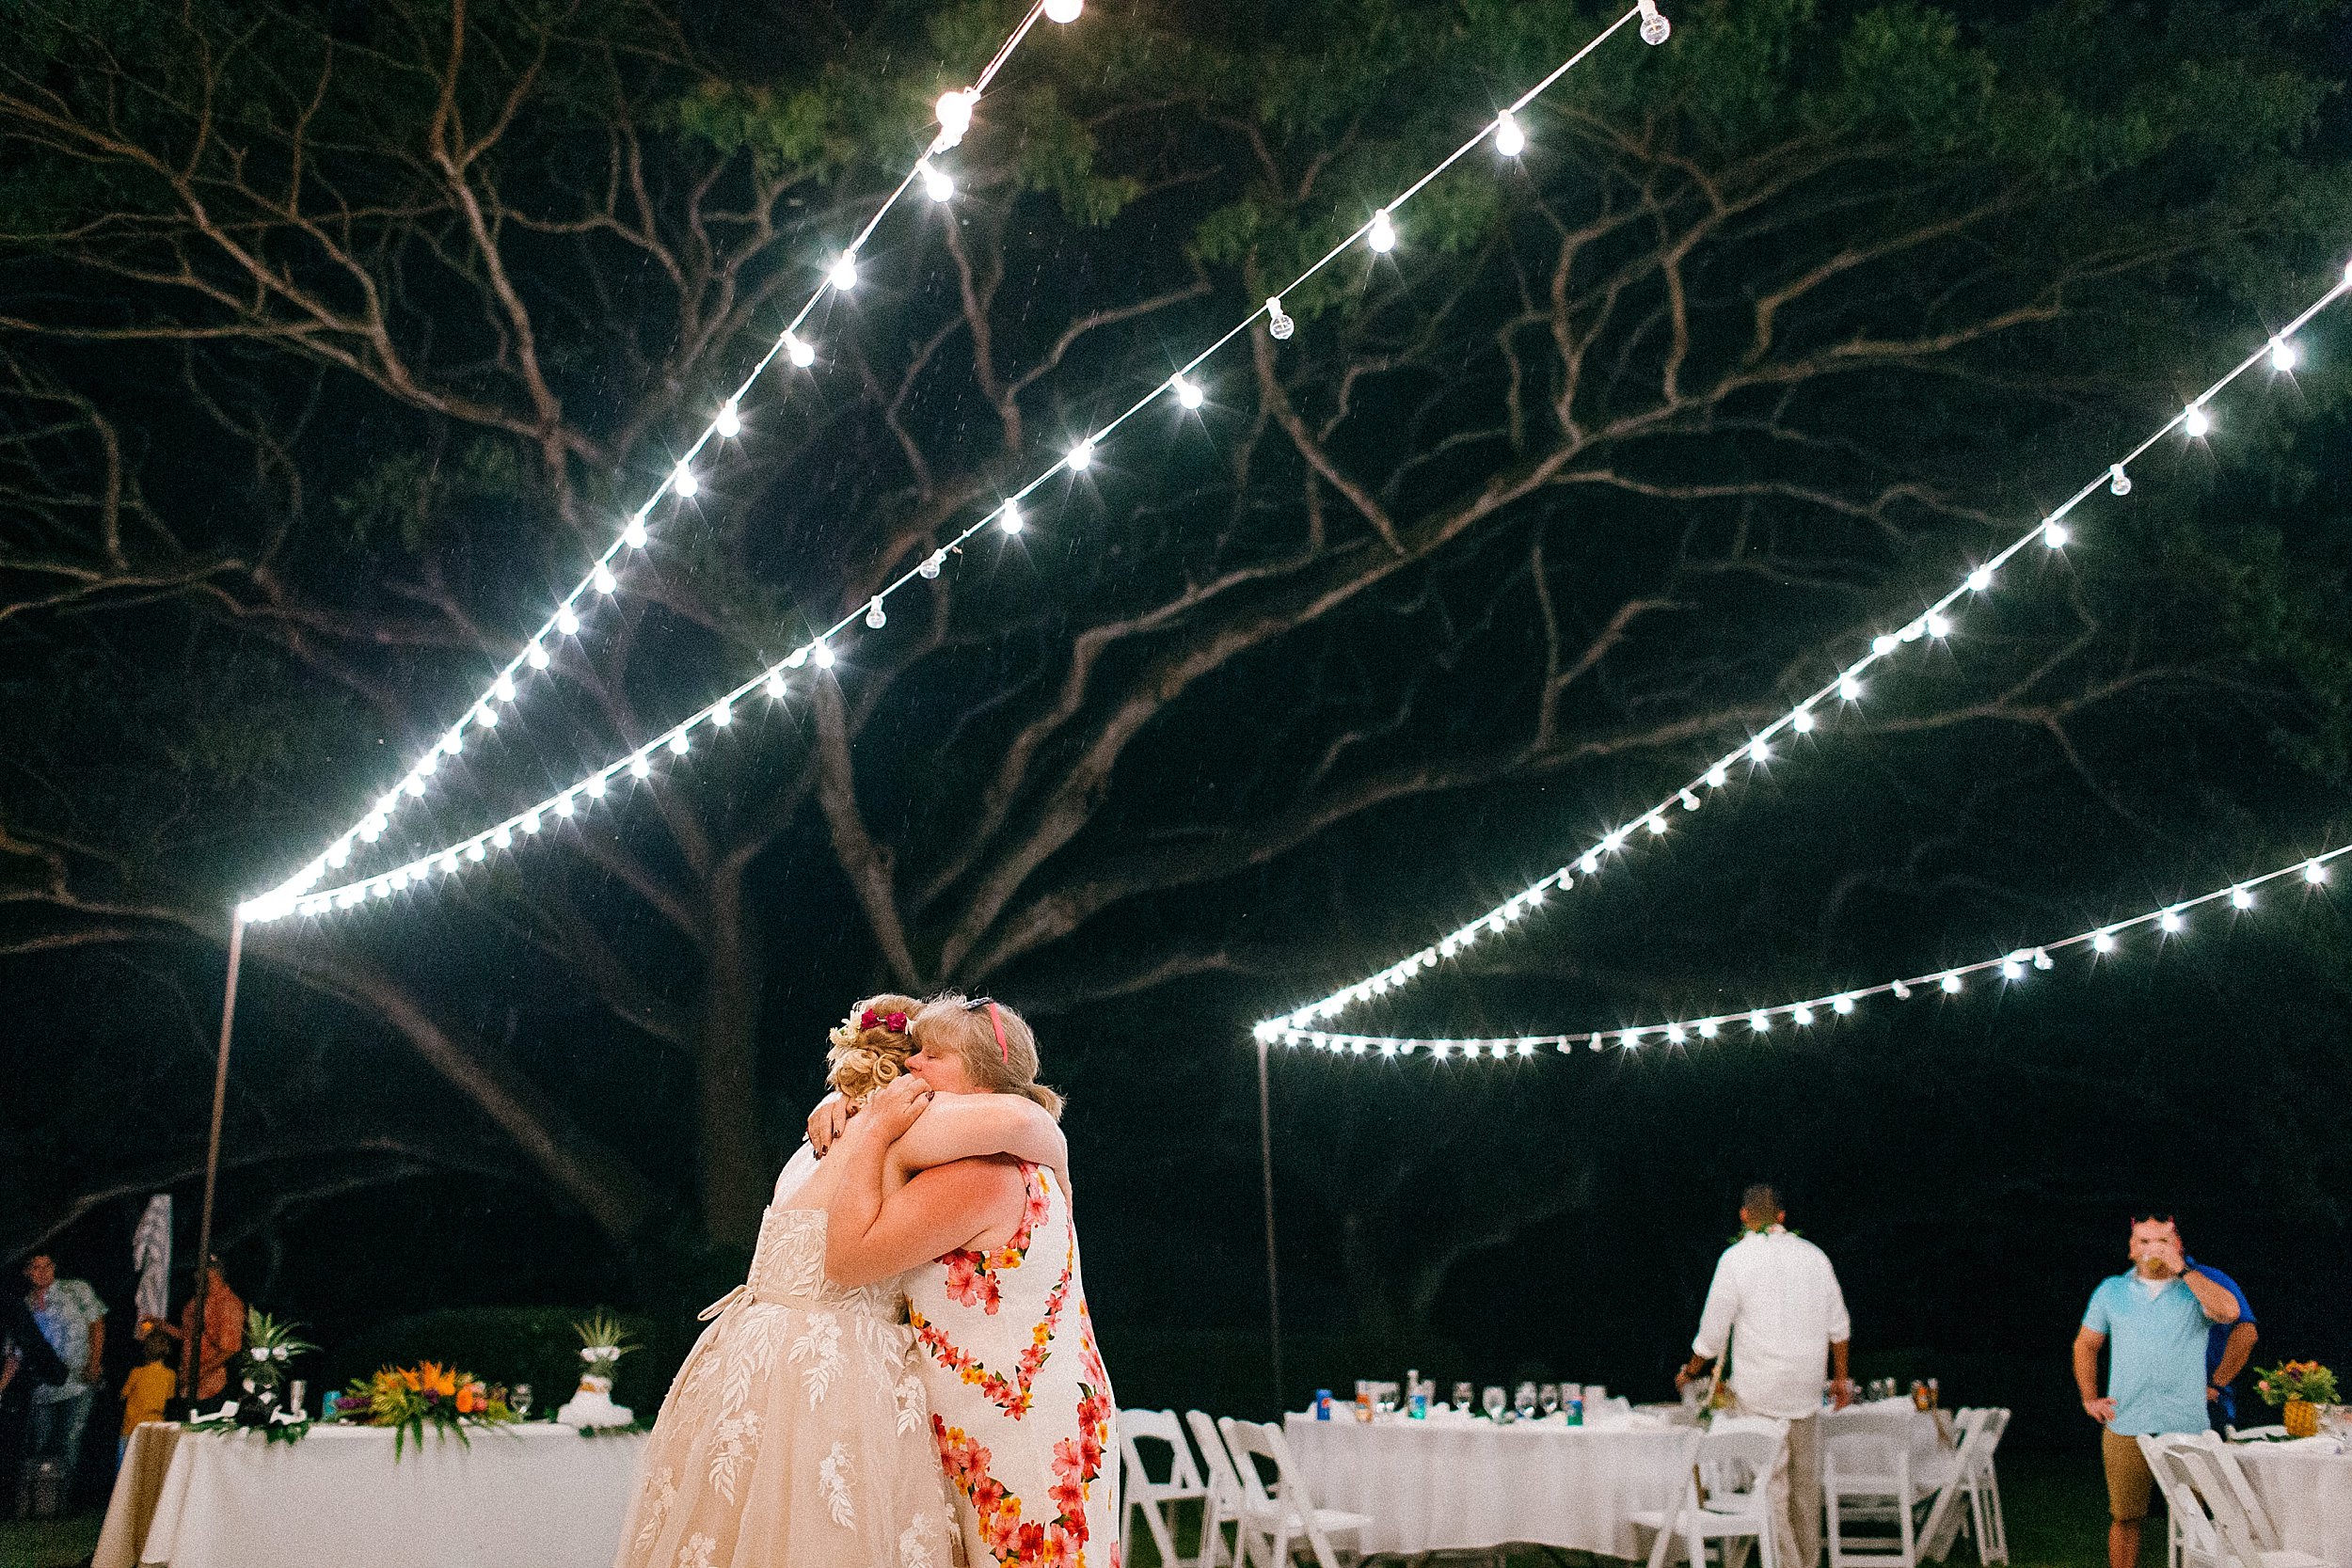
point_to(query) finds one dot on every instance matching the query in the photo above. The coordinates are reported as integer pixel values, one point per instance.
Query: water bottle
(1323, 1404)
(1575, 1408)
(1417, 1407)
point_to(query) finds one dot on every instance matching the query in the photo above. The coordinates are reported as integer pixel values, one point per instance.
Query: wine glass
(520, 1397)
(1494, 1400)
(1462, 1396)
(1523, 1400)
(1548, 1399)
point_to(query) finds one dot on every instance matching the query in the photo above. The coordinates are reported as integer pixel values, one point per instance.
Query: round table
(2307, 1485)
(1461, 1484)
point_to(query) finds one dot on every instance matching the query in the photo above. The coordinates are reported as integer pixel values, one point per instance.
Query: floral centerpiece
(412, 1399)
(603, 1343)
(2300, 1388)
(270, 1348)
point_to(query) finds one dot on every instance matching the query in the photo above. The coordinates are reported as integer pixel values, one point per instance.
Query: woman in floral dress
(797, 1433)
(1020, 1406)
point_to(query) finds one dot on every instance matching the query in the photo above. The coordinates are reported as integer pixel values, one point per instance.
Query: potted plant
(603, 1343)
(270, 1348)
(2298, 1389)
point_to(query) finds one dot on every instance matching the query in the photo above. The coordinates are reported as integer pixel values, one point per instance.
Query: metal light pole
(1272, 1268)
(192, 1352)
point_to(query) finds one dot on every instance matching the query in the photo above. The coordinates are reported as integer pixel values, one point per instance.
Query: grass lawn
(48, 1543)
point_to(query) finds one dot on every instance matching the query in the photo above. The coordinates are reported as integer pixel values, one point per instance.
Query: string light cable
(1377, 233)
(602, 581)
(2195, 422)
(2016, 967)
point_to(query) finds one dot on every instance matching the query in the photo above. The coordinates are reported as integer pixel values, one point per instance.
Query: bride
(797, 1433)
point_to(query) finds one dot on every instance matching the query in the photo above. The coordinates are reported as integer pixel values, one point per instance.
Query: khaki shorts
(2128, 1477)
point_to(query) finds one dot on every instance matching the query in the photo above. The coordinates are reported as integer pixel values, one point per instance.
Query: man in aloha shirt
(74, 1321)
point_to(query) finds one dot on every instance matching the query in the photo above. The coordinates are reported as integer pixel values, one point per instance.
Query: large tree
(339, 337)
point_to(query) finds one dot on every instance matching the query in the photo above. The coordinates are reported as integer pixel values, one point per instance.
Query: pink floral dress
(1019, 1400)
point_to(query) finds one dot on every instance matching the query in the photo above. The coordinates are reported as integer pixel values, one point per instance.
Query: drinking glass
(1462, 1393)
(1495, 1400)
(519, 1397)
(1547, 1397)
(1523, 1400)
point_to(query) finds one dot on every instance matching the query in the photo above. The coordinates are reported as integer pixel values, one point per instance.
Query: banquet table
(533, 1496)
(2307, 1485)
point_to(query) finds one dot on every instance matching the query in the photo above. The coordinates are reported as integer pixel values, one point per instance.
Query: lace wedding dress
(796, 1434)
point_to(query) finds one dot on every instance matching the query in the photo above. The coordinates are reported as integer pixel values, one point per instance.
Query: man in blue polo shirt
(2154, 1319)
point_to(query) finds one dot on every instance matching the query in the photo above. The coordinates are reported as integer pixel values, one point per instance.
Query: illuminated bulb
(1509, 139)
(415, 785)
(603, 579)
(2119, 483)
(371, 829)
(634, 535)
(2282, 355)
(1591, 862)
(564, 805)
(1188, 392)
(568, 621)
(536, 655)
(1613, 842)
(638, 767)
(504, 688)
(1761, 1023)
(475, 852)
(875, 617)
(400, 878)
(428, 763)
(824, 657)
(1381, 236)
(2196, 423)
(1758, 751)
(1850, 689)
(1717, 776)
(844, 275)
(928, 571)
(2103, 941)
(1063, 11)
(1081, 454)
(1884, 643)
(723, 715)
(2241, 899)
(1657, 826)
(2169, 920)
(503, 839)
(1710, 1029)
(1632, 1039)
(1278, 326)
(454, 741)
(595, 786)
(1803, 1017)
(1010, 520)
(2314, 873)
(1951, 983)
(730, 420)
(1980, 580)
(937, 182)
(531, 821)
(1802, 722)
(775, 685)
(679, 743)
(684, 484)
(2054, 535)
(340, 855)
(954, 116)
(1939, 626)
(486, 716)
(1843, 1004)
(1674, 1034)
(799, 350)
(2012, 969)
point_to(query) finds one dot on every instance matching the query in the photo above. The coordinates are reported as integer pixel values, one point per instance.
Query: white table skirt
(536, 1495)
(2308, 1489)
(1471, 1485)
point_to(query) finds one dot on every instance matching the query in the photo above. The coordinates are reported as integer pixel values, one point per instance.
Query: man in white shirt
(1776, 1306)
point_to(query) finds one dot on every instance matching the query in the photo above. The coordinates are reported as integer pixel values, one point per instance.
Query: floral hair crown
(895, 1022)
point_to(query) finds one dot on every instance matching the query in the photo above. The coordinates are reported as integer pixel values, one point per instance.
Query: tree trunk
(735, 1166)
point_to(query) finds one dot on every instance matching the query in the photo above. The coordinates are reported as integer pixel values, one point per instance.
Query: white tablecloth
(1471, 1485)
(536, 1495)
(2308, 1489)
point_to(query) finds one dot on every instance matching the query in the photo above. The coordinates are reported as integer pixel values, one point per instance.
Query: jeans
(56, 1430)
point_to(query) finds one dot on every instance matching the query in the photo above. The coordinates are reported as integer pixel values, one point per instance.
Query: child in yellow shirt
(148, 1388)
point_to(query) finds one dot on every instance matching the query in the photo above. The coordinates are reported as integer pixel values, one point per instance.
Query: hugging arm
(964, 1126)
(869, 1237)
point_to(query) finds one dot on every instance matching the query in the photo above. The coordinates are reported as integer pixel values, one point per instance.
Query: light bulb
(371, 829)
(531, 821)
(824, 656)
(1657, 826)
(2195, 422)
(1509, 139)
(1884, 643)
(603, 579)
(2282, 355)
(564, 805)
(595, 786)
(1980, 580)
(723, 715)
(775, 685)
(1674, 1034)
(415, 785)
(1843, 1004)
(1761, 1023)
(634, 534)
(1632, 1039)
(2012, 969)
(954, 116)
(454, 741)
(1381, 236)
(798, 658)
(503, 688)
(640, 767)
(1951, 984)
(932, 564)
(730, 420)
(874, 615)
(678, 742)
(2316, 873)
(1063, 11)
(486, 716)
(2054, 535)
(1938, 626)
(684, 484)
(1718, 776)
(536, 654)
(1849, 690)
(1758, 751)
(1656, 29)
(2119, 483)
(1710, 1029)
(503, 839)
(428, 763)
(2103, 941)
(937, 182)
(1009, 520)
(1802, 721)
(2241, 899)
(341, 855)
(1081, 456)
(1188, 392)
(1613, 842)
(844, 275)
(1278, 326)
(2169, 920)
(400, 878)
(568, 621)
(799, 350)
(1803, 1015)
(2042, 960)
(475, 852)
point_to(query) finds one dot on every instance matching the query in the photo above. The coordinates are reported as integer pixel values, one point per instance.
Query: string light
(955, 118)
(1381, 234)
(730, 420)
(2015, 966)
(1509, 139)
(1936, 622)
(2195, 422)
(937, 182)
(843, 276)
(1063, 11)
(2282, 356)
(1188, 393)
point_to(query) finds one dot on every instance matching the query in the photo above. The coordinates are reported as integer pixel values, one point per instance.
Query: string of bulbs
(2014, 967)
(1377, 234)
(602, 581)
(2194, 422)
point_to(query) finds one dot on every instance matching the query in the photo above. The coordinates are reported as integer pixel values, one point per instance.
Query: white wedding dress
(796, 1434)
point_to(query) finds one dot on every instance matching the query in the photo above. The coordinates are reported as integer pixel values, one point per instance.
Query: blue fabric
(2155, 1355)
(2217, 1335)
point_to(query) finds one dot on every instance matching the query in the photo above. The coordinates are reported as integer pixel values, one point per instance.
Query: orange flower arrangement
(411, 1398)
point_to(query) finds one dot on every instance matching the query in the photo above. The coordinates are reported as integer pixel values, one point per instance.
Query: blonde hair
(951, 1024)
(864, 1059)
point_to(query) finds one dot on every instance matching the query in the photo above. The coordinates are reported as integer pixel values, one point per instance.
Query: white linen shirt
(1776, 1301)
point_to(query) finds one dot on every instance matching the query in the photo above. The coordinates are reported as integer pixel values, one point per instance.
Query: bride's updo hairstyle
(952, 1024)
(870, 1047)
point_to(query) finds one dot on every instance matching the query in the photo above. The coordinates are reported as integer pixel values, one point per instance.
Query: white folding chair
(1224, 1503)
(1945, 1516)
(1866, 1479)
(1982, 1479)
(1723, 1495)
(1157, 1500)
(2241, 1485)
(1276, 1523)
(2191, 1541)
(2213, 1527)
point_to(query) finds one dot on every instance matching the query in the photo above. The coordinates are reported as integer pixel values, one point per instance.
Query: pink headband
(996, 1022)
